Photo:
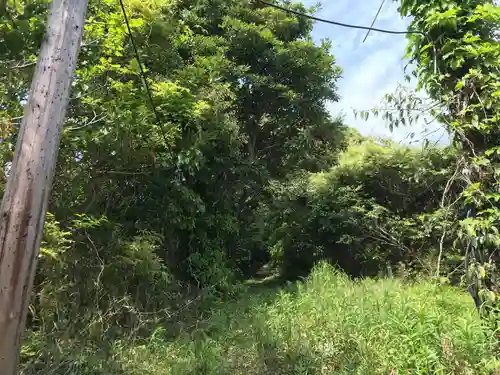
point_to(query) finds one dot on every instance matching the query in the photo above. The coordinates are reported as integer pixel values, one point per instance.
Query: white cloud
(371, 69)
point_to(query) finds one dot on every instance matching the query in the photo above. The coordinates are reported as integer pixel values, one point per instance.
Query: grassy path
(327, 325)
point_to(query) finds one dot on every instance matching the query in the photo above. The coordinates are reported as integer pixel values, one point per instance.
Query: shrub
(371, 209)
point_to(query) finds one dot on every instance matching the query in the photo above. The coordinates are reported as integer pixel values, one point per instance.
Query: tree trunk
(26, 195)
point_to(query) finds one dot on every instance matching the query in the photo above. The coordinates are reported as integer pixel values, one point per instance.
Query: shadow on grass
(199, 317)
(195, 311)
(331, 325)
(231, 338)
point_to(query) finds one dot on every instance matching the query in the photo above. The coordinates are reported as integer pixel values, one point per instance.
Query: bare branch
(23, 65)
(94, 120)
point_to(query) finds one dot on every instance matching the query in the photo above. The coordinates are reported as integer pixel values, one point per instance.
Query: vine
(457, 65)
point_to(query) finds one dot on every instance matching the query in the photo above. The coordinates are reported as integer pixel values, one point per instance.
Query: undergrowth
(327, 324)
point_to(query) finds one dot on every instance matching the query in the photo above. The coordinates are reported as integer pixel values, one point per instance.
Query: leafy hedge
(375, 207)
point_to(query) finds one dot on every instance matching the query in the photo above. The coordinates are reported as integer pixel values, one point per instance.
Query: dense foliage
(455, 51)
(374, 208)
(159, 208)
(457, 64)
(145, 206)
(241, 99)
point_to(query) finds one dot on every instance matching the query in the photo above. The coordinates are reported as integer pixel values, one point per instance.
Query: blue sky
(371, 69)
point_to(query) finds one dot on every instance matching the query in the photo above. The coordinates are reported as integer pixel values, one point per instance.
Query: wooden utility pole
(24, 203)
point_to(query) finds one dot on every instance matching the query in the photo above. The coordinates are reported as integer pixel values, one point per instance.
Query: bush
(370, 210)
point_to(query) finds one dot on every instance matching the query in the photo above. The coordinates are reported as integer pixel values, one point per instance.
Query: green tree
(457, 63)
(241, 94)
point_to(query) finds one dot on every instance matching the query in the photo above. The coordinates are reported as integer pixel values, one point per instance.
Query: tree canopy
(235, 162)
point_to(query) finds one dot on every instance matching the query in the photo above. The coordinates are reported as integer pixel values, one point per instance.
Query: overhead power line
(340, 23)
(300, 14)
(351, 26)
(374, 19)
(143, 74)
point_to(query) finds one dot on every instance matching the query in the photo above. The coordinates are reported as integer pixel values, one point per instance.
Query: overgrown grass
(325, 325)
